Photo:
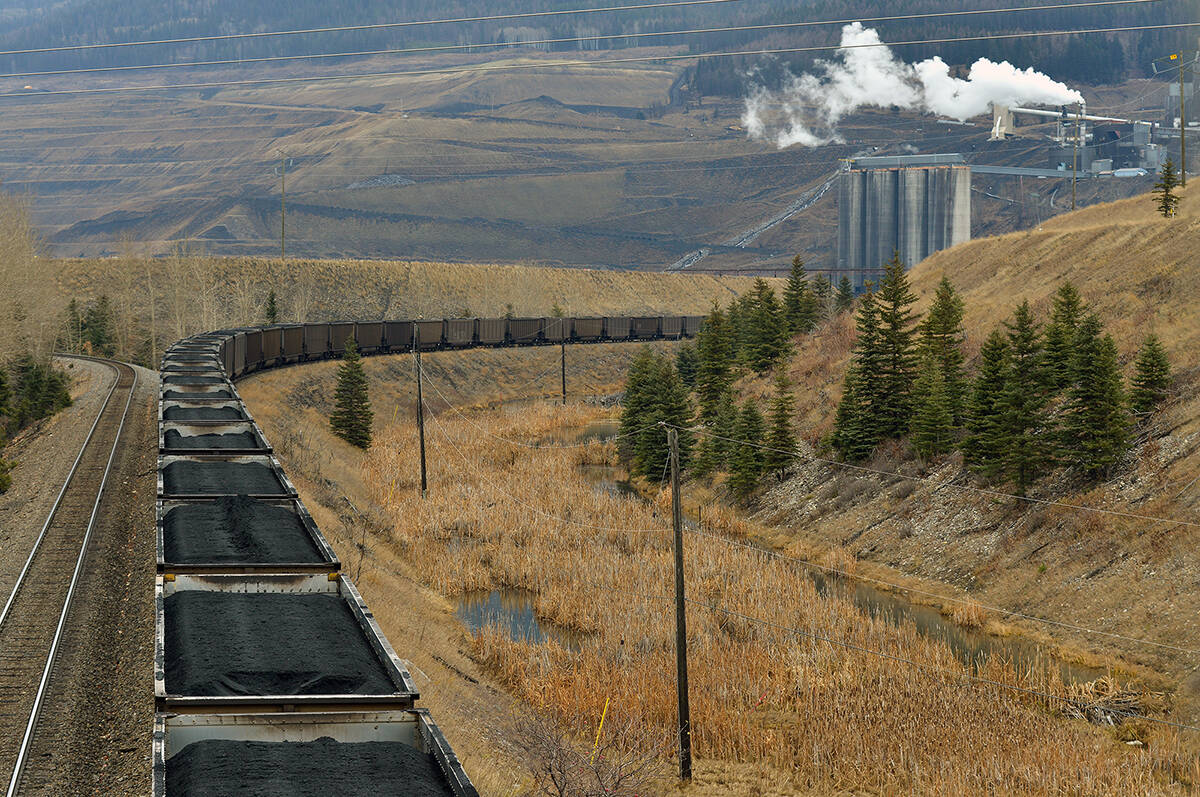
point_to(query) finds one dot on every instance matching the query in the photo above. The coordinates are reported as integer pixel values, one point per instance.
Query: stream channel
(513, 609)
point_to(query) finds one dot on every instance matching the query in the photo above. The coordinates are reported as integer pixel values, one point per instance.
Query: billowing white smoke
(808, 108)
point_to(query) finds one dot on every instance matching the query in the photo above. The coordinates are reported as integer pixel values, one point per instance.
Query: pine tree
(746, 458)
(985, 445)
(767, 330)
(892, 405)
(941, 338)
(781, 436)
(822, 288)
(1151, 379)
(741, 327)
(1094, 426)
(1165, 198)
(933, 427)
(1068, 309)
(686, 363)
(639, 396)
(352, 416)
(856, 426)
(714, 352)
(799, 302)
(1027, 434)
(98, 324)
(668, 405)
(844, 299)
(714, 448)
(272, 311)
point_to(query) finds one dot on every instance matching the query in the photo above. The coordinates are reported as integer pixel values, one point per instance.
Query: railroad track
(34, 616)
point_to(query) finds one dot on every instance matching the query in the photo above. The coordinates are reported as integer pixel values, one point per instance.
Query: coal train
(269, 666)
(249, 349)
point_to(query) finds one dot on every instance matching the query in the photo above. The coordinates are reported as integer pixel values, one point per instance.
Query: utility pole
(1182, 130)
(420, 408)
(563, 345)
(1075, 154)
(282, 203)
(681, 669)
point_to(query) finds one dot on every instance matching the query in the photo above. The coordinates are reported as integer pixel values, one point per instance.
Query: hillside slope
(1116, 573)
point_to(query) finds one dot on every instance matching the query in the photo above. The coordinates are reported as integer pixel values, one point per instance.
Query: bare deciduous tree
(627, 761)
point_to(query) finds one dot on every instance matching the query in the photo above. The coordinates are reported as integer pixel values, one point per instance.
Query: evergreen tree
(272, 311)
(892, 405)
(799, 302)
(822, 288)
(687, 362)
(1150, 381)
(654, 395)
(856, 427)
(1095, 425)
(1165, 198)
(556, 311)
(985, 445)
(714, 352)
(853, 433)
(352, 416)
(933, 427)
(5, 397)
(714, 449)
(1027, 434)
(98, 328)
(741, 326)
(1065, 314)
(942, 337)
(767, 332)
(844, 299)
(781, 436)
(746, 458)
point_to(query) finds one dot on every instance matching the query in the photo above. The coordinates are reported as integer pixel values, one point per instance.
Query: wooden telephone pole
(563, 345)
(420, 408)
(282, 204)
(681, 668)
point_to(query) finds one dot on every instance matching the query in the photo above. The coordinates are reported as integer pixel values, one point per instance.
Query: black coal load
(236, 529)
(223, 393)
(219, 768)
(190, 379)
(223, 644)
(203, 414)
(220, 478)
(241, 441)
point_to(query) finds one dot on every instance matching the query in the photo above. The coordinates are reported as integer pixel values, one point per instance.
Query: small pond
(512, 610)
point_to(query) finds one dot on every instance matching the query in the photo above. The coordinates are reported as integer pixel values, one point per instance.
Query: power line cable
(509, 67)
(369, 26)
(566, 40)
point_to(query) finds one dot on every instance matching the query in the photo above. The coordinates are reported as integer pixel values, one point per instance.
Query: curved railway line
(36, 612)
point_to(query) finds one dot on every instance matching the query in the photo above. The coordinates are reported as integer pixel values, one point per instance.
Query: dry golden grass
(599, 563)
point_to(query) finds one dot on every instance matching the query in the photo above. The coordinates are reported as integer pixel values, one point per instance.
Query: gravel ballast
(240, 441)
(220, 478)
(238, 644)
(203, 414)
(236, 529)
(216, 768)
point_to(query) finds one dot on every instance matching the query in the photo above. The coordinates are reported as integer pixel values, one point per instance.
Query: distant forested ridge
(1097, 58)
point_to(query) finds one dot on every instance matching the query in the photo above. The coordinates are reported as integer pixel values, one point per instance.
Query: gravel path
(99, 714)
(43, 455)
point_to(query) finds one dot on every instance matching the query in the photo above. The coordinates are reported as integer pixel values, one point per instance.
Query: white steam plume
(808, 108)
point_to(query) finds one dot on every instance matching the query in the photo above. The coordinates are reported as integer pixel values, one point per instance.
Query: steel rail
(39, 698)
(66, 483)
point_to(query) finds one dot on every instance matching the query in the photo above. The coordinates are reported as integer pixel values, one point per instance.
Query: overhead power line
(369, 26)
(511, 67)
(567, 40)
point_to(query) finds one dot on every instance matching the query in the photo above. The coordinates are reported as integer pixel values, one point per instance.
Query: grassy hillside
(165, 299)
(1121, 575)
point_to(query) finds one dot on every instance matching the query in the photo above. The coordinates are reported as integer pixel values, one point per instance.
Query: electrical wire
(369, 26)
(568, 40)
(599, 62)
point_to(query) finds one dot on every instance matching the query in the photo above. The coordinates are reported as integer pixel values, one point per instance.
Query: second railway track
(36, 612)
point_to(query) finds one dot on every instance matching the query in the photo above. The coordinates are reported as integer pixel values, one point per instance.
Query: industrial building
(915, 205)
